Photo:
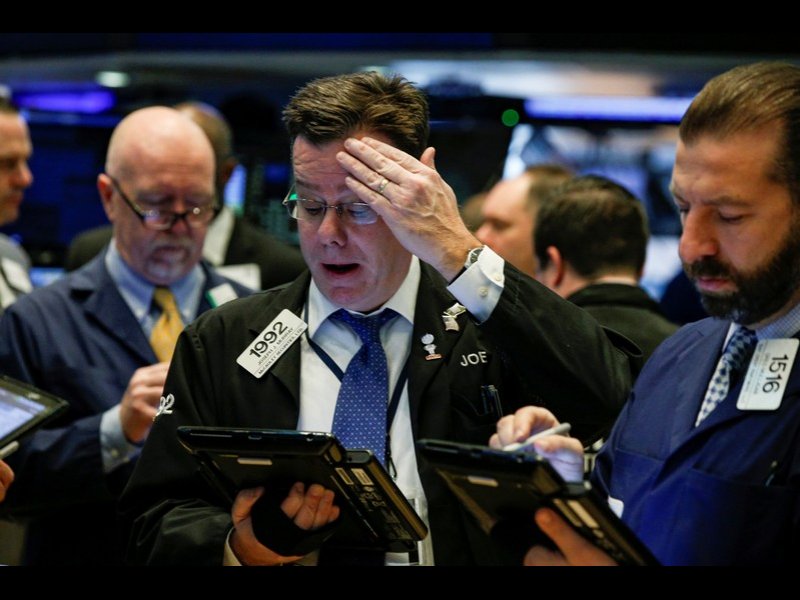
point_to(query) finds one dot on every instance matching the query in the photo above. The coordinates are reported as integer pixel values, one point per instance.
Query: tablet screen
(23, 408)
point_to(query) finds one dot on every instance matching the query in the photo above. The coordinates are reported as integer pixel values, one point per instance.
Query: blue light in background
(608, 108)
(84, 102)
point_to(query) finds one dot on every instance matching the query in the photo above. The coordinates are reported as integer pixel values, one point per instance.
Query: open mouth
(340, 269)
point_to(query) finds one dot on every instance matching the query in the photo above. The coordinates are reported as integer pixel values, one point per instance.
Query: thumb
(427, 157)
(244, 502)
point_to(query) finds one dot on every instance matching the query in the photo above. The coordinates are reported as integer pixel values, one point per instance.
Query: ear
(226, 170)
(106, 190)
(556, 266)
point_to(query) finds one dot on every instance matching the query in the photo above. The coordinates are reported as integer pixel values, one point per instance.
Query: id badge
(767, 375)
(271, 343)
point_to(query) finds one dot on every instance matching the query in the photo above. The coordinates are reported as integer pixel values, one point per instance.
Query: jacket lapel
(104, 305)
(432, 300)
(287, 368)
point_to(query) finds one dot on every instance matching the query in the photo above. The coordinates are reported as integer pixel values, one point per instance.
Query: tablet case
(500, 487)
(374, 512)
(23, 408)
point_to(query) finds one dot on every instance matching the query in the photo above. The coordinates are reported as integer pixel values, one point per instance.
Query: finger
(494, 441)
(294, 501)
(307, 513)
(564, 454)
(378, 155)
(505, 431)
(531, 419)
(539, 556)
(243, 504)
(576, 550)
(380, 203)
(428, 157)
(6, 474)
(323, 515)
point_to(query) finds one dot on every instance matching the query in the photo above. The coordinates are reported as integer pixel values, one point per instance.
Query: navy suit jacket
(76, 339)
(725, 492)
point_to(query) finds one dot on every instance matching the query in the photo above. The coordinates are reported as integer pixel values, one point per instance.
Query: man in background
(102, 337)
(15, 178)
(238, 249)
(591, 243)
(509, 211)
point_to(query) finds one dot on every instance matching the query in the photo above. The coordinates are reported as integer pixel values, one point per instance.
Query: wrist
(472, 256)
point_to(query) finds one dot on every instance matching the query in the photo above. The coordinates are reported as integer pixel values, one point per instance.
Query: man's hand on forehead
(412, 198)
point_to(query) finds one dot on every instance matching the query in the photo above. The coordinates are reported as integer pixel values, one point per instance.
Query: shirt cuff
(115, 449)
(228, 557)
(479, 287)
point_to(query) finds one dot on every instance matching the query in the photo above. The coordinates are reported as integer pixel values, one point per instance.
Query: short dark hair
(8, 107)
(333, 108)
(544, 179)
(747, 98)
(598, 226)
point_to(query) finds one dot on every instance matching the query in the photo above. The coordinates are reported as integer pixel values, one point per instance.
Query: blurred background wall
(605, 104)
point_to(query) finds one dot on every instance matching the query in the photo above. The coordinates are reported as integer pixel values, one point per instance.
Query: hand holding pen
(561, 429)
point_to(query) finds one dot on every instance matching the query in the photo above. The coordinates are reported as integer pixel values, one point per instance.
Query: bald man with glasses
(102, 337)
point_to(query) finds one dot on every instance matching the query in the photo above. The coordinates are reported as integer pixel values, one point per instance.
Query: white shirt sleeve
(479, 287)
(115, 449)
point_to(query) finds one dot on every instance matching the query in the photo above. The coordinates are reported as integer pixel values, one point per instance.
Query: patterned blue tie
(734, 358)
(360, 417)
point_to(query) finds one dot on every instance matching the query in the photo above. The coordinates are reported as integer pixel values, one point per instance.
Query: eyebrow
(723, 200)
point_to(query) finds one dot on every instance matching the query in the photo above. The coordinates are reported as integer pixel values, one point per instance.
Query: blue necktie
(360, 417)
(736, 355)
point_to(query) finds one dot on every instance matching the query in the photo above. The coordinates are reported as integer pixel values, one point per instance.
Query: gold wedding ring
(383, 185)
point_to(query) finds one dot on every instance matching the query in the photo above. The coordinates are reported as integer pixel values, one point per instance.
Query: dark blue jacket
(725, 492)
(77, 339)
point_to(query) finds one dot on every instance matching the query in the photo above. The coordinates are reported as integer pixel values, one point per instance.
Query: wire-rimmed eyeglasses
(161, 220)
(303, 209)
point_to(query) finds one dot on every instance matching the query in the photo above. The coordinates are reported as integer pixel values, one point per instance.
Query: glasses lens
(360, 213)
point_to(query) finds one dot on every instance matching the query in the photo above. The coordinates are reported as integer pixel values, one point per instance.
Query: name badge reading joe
(765, 383)
(271, 343)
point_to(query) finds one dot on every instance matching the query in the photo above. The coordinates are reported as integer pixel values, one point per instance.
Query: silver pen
(8, 449)
(557, 430)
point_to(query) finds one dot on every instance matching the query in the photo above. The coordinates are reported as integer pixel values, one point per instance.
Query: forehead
(507, 197)
(14, 138)
(739, 165)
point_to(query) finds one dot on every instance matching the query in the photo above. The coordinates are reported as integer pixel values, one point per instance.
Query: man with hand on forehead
(401, 325)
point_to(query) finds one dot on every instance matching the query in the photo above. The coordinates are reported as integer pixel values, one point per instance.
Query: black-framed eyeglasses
(303, 209)
(161, 220)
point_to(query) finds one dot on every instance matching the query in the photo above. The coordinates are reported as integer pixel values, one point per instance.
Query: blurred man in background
(591, 243)
(509, 211)
(238, 249)
(15, 178)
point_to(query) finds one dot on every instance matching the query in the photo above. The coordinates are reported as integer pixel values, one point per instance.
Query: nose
(698, 239)
(331, 229)
(23, 177)
(484, 234)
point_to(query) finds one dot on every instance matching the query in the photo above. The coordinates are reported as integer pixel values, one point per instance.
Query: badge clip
(430, 347)
(449, 317)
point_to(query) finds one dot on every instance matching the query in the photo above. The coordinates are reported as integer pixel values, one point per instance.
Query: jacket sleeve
(170, 514)
(62, 464)
(574, 367)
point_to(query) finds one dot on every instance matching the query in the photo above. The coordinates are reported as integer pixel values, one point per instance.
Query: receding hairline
(149, 131)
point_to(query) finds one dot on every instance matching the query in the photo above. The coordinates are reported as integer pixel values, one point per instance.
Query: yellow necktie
(168, 327)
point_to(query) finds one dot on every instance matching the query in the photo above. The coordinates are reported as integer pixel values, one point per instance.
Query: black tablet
(23, 408)
(508, 487)
(374, 512)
